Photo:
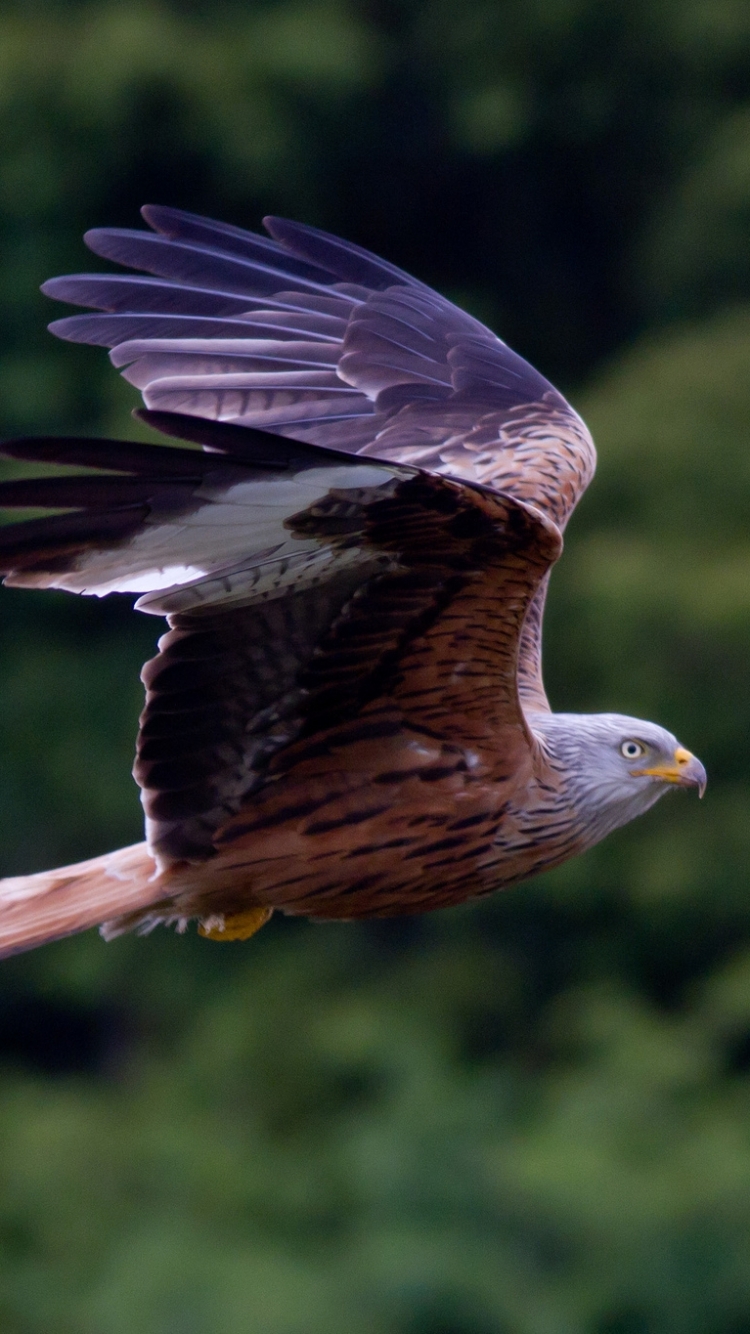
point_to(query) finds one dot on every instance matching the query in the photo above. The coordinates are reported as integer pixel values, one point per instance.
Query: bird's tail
(51, 904)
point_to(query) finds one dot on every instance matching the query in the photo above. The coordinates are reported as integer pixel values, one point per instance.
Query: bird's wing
(296, 581)
(310, 337)
(306, 335)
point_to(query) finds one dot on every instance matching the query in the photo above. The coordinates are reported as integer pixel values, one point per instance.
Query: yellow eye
(632, 750)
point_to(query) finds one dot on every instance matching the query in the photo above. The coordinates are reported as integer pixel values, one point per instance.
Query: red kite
(346, 717)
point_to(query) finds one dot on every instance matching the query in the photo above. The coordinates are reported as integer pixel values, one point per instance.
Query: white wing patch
(148, 582)
(234, 544)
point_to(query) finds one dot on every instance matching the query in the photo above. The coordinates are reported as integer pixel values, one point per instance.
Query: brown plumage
(346, 717)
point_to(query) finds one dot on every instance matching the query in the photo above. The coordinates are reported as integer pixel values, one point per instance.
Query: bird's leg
(234, 926)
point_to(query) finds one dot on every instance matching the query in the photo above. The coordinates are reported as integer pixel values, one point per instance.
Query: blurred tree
(525, 1117)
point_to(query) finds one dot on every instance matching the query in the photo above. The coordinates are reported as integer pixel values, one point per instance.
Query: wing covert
(303, 588)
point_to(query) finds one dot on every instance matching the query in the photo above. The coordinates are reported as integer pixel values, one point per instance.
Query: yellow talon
(238, 926)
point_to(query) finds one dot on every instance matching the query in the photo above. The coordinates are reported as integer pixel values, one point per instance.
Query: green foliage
(523, 1117)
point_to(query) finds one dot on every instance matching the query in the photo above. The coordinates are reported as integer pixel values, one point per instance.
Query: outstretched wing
(311, 337)
(301, 586)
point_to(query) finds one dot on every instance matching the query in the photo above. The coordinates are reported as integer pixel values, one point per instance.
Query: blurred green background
(530, 1116)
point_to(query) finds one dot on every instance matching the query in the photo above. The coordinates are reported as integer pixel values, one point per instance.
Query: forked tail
(51, 904)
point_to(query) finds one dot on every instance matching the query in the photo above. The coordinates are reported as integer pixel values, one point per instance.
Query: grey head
(613, 768)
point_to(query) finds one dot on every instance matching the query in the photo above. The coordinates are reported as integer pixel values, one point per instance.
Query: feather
(312, 301)
(53, 904)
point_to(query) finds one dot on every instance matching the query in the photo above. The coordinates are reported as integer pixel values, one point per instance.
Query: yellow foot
(238, 926)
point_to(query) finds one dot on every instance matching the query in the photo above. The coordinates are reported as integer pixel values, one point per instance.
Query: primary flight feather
(346, 717)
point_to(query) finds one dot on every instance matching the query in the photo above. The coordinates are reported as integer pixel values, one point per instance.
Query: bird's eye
(632, 750)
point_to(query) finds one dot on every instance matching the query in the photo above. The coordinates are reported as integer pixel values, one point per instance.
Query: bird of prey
(346, 717)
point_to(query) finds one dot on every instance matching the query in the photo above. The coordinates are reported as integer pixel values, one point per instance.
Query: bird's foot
(234, 926)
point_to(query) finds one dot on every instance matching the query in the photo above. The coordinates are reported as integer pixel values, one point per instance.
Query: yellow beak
(683, 769)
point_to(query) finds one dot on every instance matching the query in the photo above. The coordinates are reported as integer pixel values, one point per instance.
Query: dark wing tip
(56, 287)
(343, 259)
(176, 222)
(101, 239)
(159, 217)
(249, 444)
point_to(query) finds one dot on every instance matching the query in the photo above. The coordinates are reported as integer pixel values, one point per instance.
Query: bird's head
(616, 767)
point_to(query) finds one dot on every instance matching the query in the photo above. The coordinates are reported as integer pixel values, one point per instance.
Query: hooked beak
(683, 769)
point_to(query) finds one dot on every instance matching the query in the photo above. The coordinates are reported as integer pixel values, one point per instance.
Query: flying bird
(346, 717)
